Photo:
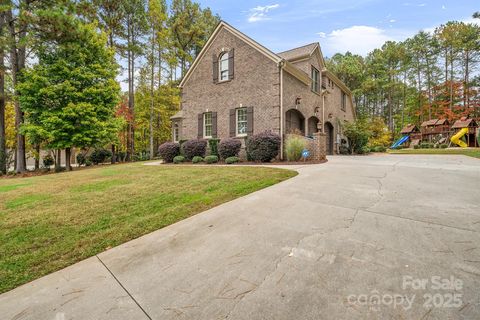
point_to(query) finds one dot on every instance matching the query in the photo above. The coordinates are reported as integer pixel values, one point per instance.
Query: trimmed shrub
(48, 161)
(417, 146)
(231, 160)
(443, 146)
(213, 145)
(424, 145)
(211, 159)
(343, 149)
(229, 148)
(88, 163)
(100, 155)
(168, 151)
(178, 159)
(263, 146)
(197, 159)
(193, 148)
(364, 150)
(379, 149)
(81, 158)
(294, 147)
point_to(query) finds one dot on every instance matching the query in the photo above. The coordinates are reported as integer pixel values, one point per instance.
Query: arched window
(223, 66)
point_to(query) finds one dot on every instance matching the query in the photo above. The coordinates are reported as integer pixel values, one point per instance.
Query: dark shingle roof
(409, 129)
(464, 123)
(298, 52)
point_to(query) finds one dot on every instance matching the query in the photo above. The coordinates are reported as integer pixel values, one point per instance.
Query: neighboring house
(236, 88)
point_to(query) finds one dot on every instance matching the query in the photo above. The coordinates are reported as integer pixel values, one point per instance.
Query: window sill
(317, 93)
(223, 81)
(243, 135)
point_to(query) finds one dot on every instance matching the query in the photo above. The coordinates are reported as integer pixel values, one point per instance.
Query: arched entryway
(328, 129)
(294, 121)
(312, 125)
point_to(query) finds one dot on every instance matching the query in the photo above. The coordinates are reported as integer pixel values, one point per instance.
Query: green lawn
(50, 222)
(471, 152)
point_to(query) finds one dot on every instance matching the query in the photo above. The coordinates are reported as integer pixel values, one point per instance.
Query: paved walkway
(342, 240)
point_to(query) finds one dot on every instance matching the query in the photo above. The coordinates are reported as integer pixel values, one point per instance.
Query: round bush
(343, 149)
(263, 146)
(81, 159)
(232, 160)
(168, 151)
(178, 159)
(197, 159)
(193, 148)
(100, 155)
(229, 148)
(294, 148)
(379, 149)
(416, 146)
(48, 161)
(211, 159)
(364, 150)
(443, 146)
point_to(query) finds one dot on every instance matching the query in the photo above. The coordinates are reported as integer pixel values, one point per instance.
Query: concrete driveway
(375, 237)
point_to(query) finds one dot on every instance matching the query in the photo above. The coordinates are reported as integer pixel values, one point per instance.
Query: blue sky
(339, 25)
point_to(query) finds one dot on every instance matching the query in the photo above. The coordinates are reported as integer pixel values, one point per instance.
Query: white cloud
(443, 7)
(392, 20)
(322, 34)
(356, 39)
(259, 13)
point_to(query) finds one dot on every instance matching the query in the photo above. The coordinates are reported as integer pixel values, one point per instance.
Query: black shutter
(249, 121)
(200, 126)
(215, 68)
(214, 124)
(231, 59)
(233, 123)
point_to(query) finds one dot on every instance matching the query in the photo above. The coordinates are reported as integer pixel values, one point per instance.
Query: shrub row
(261, 147)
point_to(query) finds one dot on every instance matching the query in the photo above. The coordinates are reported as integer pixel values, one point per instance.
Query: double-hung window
(207, 125)
(176, 132)
(344, 101)
(315, 80)
(241, 116)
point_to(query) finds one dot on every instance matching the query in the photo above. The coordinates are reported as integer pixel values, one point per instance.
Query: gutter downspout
(323, 110)
(281, 65)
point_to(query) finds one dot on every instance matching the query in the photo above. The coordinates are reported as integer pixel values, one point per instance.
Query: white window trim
(176, 132)
(236, 122)
(220, 67)
(205, 127)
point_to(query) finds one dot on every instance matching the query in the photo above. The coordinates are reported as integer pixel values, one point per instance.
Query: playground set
(462, 133)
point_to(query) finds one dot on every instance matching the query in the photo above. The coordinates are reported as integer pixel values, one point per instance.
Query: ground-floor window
(241, 121)
(176, 132)
(207, 125)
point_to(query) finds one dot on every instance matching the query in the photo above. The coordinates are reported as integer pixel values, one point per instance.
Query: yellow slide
(456, 138)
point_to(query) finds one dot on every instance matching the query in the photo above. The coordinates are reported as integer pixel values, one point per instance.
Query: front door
(329, 137)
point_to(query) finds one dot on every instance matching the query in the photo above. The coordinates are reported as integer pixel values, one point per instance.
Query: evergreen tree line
(430, 75)
(59, 65)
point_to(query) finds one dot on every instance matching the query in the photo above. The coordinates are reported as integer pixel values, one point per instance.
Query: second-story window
(344, 101)
(223, 69)
(315, 80)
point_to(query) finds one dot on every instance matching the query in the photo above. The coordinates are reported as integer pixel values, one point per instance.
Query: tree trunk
(451, 78)
(152, 88)
(466, 98)
(3, 150)
(58, 160)
(114, 155)
(37, 158)
(68, 155)
(17, 61)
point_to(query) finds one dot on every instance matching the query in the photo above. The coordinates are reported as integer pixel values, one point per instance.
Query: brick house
(237, 87)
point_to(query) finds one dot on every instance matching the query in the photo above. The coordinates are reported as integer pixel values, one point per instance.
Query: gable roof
(298, 53)
(464, 123)
(294, 54)
(409, 129)
(427, 123)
